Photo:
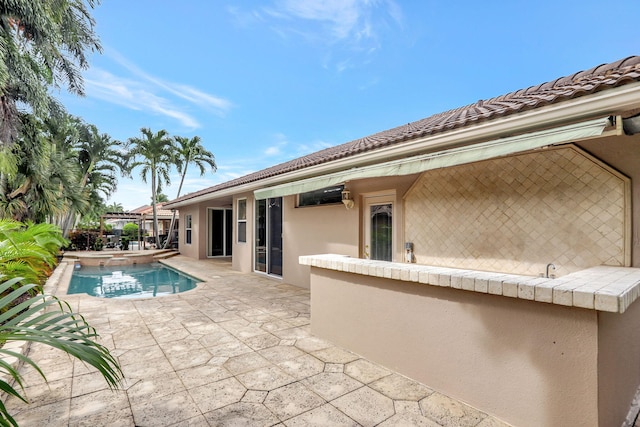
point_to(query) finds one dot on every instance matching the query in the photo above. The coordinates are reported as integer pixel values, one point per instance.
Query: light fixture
(346, 199)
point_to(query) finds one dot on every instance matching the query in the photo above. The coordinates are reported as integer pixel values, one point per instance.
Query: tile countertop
(602, 288)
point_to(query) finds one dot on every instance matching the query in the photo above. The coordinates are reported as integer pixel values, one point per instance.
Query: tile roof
(148, 210)
(601, 77)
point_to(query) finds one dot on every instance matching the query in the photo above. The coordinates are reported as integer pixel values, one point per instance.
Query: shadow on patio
(235, 351)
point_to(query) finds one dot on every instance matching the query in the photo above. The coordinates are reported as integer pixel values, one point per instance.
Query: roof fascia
(606, 102)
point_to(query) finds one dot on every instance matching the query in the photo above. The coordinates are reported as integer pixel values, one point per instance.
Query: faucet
(550, 265)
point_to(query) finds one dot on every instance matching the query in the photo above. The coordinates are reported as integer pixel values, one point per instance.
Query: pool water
(131, 281)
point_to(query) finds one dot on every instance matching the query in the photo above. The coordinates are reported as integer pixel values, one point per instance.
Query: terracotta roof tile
(582, 83)
(148, 210)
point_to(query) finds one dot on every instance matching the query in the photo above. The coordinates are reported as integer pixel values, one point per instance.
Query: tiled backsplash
(519, 213)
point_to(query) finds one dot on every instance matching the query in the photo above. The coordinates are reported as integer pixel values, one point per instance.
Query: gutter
(606, 102)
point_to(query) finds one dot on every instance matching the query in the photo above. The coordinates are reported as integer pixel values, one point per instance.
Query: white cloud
(354, 29)
(340, 19)
(342, 16)
(185, 92)
(133, 95)
(276, 148)
(142, 91)
(201, 98)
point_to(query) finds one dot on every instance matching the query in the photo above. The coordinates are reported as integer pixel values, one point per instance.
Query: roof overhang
(445, 158)
(588, 107)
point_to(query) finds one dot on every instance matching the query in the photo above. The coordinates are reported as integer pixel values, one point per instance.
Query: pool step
(167, 254)
(117, 261)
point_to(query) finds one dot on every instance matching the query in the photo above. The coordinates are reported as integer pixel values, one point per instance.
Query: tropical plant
(28, 250)
(98, 158)
(43, 181)
(115, 207)
(43, 44)
(161, 198)
(189, 151)
(154, 153)
(47, 320)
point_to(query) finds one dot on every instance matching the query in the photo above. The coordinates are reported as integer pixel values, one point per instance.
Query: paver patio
(235, 351)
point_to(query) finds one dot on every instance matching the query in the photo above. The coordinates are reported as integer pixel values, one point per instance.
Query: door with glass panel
(220, 225)
(268, 236)
(378, 227)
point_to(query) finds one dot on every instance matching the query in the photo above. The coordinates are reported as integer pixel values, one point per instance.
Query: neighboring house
(164, 218)
(544, 175)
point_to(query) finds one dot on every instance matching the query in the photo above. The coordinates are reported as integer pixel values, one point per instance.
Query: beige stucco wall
(618, 363)
(197, 227)
(315, 229)
(517, 214)
(334, 228)
(623, 154)
(529, 363)
(242, 259)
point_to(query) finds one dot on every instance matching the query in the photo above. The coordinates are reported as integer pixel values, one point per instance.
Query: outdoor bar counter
(531, 351)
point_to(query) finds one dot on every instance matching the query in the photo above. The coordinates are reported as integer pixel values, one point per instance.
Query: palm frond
(47, 320)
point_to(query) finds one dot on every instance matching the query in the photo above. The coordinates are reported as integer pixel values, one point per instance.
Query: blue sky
(263, 82)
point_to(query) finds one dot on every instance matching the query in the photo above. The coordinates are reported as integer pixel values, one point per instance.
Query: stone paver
(366, 406)
(447, 411)
(236, 351)
(326, 415)
(331, 385)
(401, 388)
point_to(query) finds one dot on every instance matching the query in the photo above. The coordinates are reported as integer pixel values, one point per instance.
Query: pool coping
(62, 286)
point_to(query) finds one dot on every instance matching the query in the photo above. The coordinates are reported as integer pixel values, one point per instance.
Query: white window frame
(188, 229)
(373, 199)
(241, 221)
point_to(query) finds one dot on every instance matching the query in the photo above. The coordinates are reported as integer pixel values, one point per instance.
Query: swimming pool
(131, 281)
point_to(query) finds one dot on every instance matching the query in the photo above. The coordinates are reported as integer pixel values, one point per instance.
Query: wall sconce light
(346, 199)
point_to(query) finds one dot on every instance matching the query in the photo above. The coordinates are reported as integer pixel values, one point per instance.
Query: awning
(444, 158)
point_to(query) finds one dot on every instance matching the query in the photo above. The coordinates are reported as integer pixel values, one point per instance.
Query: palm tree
(161, 198)
(99, 158)
(115, 207)
(98, 153)
(189, 151)
(42, 183)
(43, 44)
(154, 153)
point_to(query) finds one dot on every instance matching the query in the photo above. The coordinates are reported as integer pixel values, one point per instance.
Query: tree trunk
(153, 203)
(173, 217)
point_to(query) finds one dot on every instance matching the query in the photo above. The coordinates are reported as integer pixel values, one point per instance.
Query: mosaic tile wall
(519, 213)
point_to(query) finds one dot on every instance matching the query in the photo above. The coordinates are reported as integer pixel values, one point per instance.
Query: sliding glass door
(268, 240)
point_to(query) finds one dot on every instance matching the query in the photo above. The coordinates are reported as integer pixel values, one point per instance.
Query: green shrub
(83, 240)
(130, 230)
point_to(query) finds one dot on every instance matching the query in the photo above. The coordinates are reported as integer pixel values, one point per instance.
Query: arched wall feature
(519, 213)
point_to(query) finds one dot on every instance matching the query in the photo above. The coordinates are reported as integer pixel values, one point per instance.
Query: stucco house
(490, 251)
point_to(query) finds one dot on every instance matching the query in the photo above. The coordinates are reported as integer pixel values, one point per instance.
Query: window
(242, 220)
(323, 196)
(379, 236)
(187, 229)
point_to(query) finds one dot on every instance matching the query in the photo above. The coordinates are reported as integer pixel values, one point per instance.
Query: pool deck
(235, 351)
